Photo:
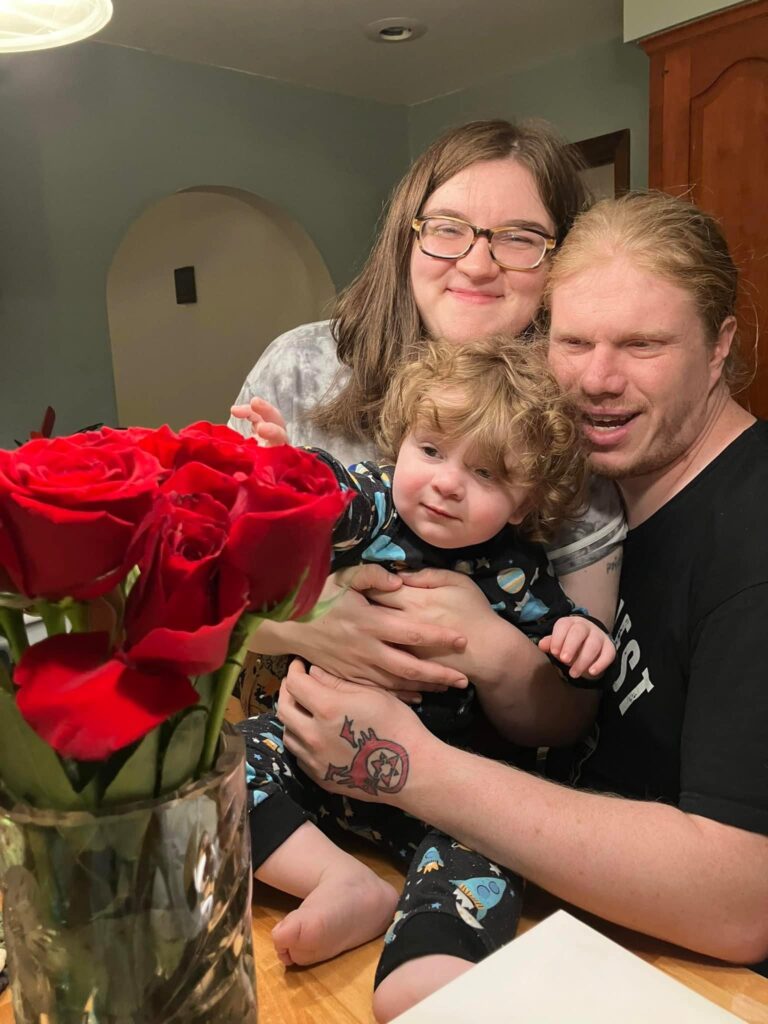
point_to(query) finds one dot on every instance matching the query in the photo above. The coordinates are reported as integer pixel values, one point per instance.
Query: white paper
(563, 972)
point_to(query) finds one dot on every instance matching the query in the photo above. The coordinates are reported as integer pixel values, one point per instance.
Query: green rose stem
(224, 682)
(12, 625)
(77, 613)
(7, 685)
(52, 616)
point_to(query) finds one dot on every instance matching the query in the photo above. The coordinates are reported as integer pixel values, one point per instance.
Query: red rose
(197, 478)
(86, 704)
(202, 430)
(70, 512)
(219, 447)
(206, 443)
(186, 601)
(281, 528)
(162, 442)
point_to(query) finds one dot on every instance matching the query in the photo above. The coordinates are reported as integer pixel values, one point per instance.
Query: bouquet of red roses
(151, 557)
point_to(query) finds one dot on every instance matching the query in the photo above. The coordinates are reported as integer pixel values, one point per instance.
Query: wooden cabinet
(709, 140)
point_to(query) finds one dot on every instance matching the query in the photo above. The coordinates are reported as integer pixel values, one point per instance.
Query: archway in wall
(257, 273)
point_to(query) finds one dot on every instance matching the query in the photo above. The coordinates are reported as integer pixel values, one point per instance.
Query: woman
(436, 270)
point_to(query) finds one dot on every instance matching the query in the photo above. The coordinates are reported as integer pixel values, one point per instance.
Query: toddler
(487, 463)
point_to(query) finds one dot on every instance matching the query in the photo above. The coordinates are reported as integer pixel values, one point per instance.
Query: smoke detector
(395, 30)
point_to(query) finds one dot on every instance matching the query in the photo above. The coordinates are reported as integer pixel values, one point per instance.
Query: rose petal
(56, 552)
(193, 653)
(279, 550)
(87, 705)
(195, 478)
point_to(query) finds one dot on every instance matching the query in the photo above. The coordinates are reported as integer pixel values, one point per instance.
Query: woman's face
(470, 298)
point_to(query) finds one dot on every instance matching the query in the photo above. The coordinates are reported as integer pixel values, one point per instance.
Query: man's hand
(580, 644)
(267, 422)
(351, 739)
(449, 600)
(521, 692)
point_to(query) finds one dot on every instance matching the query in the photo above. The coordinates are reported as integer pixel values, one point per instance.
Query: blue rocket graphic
(383, 549)
(390, 932)
(531, 608)
(431, 861)
(479, 895)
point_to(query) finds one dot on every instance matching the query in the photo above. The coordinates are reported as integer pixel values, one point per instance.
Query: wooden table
(339, 991)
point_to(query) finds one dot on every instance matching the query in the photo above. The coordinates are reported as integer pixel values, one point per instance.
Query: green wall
(596, 90)
(646, 17)
(91, 134)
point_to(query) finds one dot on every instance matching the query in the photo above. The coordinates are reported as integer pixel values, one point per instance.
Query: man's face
(632, 347)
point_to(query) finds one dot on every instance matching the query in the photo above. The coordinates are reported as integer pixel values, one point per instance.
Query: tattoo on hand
(378, 766)
(614, 565)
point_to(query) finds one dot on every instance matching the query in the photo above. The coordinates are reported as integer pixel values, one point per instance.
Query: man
(642, 299)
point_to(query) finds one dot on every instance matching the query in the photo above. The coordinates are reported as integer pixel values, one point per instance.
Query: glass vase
(137, 915)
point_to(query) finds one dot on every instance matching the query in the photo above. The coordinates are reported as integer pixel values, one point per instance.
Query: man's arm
(586, 554)
(596, 587)
(522, 693)
(648, 866)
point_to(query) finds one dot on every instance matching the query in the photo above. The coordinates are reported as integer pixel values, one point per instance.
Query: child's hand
(582, 645)
(267, 423)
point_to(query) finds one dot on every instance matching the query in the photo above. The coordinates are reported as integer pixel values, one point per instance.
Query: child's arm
(267, 423)
(580, 644)
(368, 515)
(571, 637)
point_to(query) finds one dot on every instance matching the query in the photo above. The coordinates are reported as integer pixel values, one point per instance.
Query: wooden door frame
(611, 148)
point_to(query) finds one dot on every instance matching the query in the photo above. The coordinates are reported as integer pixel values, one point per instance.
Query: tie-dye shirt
(300, 369)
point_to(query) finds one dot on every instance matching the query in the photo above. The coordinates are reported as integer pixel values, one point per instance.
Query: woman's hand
(364, 642)
(452, 601)
(351, 739)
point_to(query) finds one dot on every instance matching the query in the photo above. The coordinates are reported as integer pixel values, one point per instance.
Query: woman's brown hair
(376, 323)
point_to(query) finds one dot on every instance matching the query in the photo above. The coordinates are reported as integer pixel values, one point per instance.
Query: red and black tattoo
(378, 767)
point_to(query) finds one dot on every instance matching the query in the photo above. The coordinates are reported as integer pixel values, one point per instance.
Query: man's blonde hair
(501, 396)
(665, 236)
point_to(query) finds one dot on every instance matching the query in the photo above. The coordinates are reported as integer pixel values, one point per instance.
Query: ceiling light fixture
(395, 30)
(42, 24)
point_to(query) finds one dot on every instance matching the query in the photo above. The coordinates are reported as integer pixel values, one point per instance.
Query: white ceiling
(321, 43)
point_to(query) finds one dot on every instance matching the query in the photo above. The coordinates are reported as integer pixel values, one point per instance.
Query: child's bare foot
(343, 911)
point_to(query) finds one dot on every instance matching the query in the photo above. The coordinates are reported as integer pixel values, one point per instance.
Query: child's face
(448, 498)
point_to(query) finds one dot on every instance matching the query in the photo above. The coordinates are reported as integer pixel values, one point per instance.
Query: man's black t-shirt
(684, 714)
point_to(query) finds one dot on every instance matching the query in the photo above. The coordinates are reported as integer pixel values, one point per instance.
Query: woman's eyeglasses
(513, 247)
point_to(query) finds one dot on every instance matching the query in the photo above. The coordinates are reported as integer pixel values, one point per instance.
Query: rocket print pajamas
(455, 901)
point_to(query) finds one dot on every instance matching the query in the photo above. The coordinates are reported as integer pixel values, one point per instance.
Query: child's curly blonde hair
(501, 395)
